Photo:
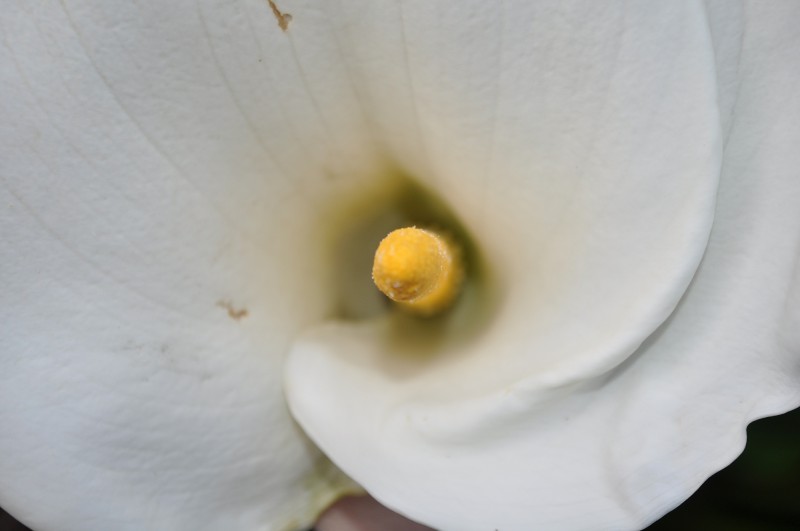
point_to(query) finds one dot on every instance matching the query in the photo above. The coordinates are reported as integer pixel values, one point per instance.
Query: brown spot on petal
(234, 313)
(282, 18)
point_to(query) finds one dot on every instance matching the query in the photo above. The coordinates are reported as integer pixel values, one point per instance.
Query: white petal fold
(627, 351)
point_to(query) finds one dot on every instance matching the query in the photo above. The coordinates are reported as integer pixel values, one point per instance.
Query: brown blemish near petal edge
(282, 18)
(233, 313)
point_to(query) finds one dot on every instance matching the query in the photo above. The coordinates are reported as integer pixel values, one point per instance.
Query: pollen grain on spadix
(419, 269)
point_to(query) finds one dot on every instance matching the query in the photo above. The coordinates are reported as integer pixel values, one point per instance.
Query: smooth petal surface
(160, 170)
(469, 440)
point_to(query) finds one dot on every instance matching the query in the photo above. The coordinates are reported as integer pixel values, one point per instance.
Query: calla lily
(179, 178)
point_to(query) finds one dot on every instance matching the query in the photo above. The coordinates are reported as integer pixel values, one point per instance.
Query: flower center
(419, 269)
(445, 291)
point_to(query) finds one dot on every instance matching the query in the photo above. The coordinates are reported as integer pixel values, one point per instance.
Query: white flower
(174, 175)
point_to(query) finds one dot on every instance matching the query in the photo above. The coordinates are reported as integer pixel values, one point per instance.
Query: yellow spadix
(419, 269)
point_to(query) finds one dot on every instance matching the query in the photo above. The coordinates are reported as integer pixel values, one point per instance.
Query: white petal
(612, 113)
(161, 167)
